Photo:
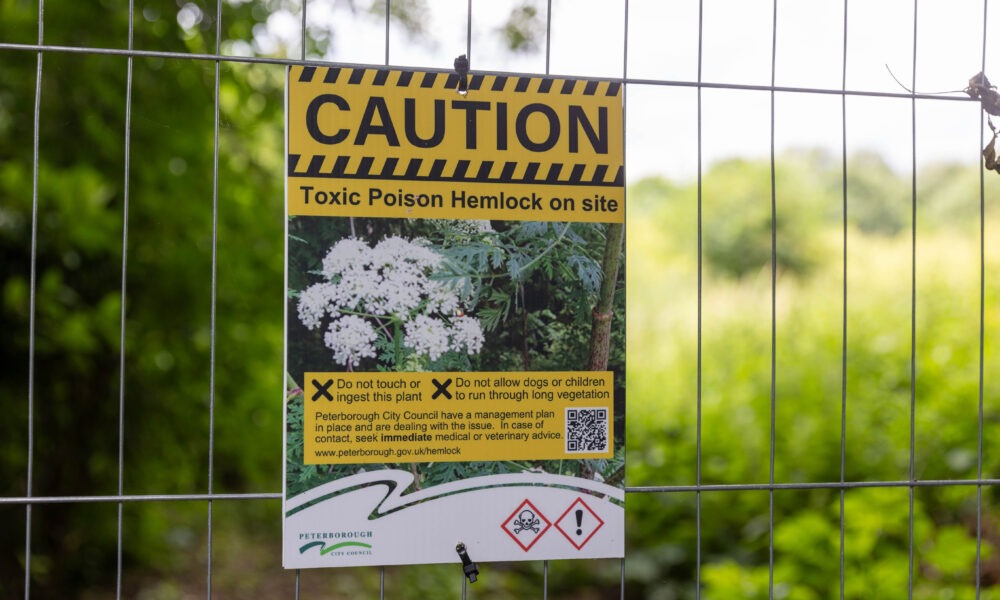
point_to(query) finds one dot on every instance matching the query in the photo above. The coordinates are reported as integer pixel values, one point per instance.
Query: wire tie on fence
(462, 68)
(468, 567)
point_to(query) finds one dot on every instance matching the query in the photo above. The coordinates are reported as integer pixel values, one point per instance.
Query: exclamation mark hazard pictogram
(586, 520)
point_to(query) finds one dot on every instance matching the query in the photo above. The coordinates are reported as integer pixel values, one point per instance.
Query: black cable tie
(462, 68)
(468, 567)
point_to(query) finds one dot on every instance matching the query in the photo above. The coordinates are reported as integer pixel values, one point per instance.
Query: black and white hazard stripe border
(482, 171)
(432, 80)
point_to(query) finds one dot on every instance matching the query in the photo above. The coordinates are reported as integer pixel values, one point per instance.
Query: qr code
(586, 430)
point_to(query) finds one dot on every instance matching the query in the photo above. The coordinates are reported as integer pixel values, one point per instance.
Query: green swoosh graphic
(344, 544)
(324, 550)
(303, 549)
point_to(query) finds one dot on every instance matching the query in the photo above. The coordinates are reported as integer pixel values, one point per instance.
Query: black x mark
(442, 389)
(321, 390)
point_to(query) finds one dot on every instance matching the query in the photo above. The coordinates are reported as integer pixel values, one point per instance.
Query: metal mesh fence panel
(143, 58)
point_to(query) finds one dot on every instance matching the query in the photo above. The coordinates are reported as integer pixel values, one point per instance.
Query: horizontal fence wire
(911, 483)
(644, 489)
(636, 81)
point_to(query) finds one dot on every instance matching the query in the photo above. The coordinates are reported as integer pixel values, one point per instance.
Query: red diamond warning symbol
(579, 523)
(526, 524)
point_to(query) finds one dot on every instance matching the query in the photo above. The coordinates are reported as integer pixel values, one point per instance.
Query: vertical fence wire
(699, 329)
(621, 577)
(388, 14)
(33, 299)
(548, 64)
(468, 31)
(304, 35)
(913, 304)
(843, 317)
(548, 35)
(302, 57)
(982, 331)
(468, 55)
(126, 198)
(214, 293)
(774, 311)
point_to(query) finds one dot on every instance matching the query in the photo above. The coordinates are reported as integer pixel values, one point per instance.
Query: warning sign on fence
(454, 341)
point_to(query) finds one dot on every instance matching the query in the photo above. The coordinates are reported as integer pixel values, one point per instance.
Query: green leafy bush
(809, 388)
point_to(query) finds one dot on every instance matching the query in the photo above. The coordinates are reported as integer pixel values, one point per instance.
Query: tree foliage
(171, 333)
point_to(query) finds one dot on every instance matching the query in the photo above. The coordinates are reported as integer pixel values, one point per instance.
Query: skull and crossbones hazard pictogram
(526, 525)
(526, 521)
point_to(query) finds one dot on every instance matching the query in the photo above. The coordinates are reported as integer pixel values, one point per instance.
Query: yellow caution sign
(352, 418)
(406, 144)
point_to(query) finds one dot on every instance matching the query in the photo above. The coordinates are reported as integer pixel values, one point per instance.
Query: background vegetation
(812, 383)
(172, 404)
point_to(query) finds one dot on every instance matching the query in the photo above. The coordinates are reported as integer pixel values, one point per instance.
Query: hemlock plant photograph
(406, 295)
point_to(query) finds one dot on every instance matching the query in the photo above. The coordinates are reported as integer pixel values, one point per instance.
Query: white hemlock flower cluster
(369, 290)
(427, 336)
(351, 338)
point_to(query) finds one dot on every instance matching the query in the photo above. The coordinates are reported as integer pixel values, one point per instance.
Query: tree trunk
(600, 333)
